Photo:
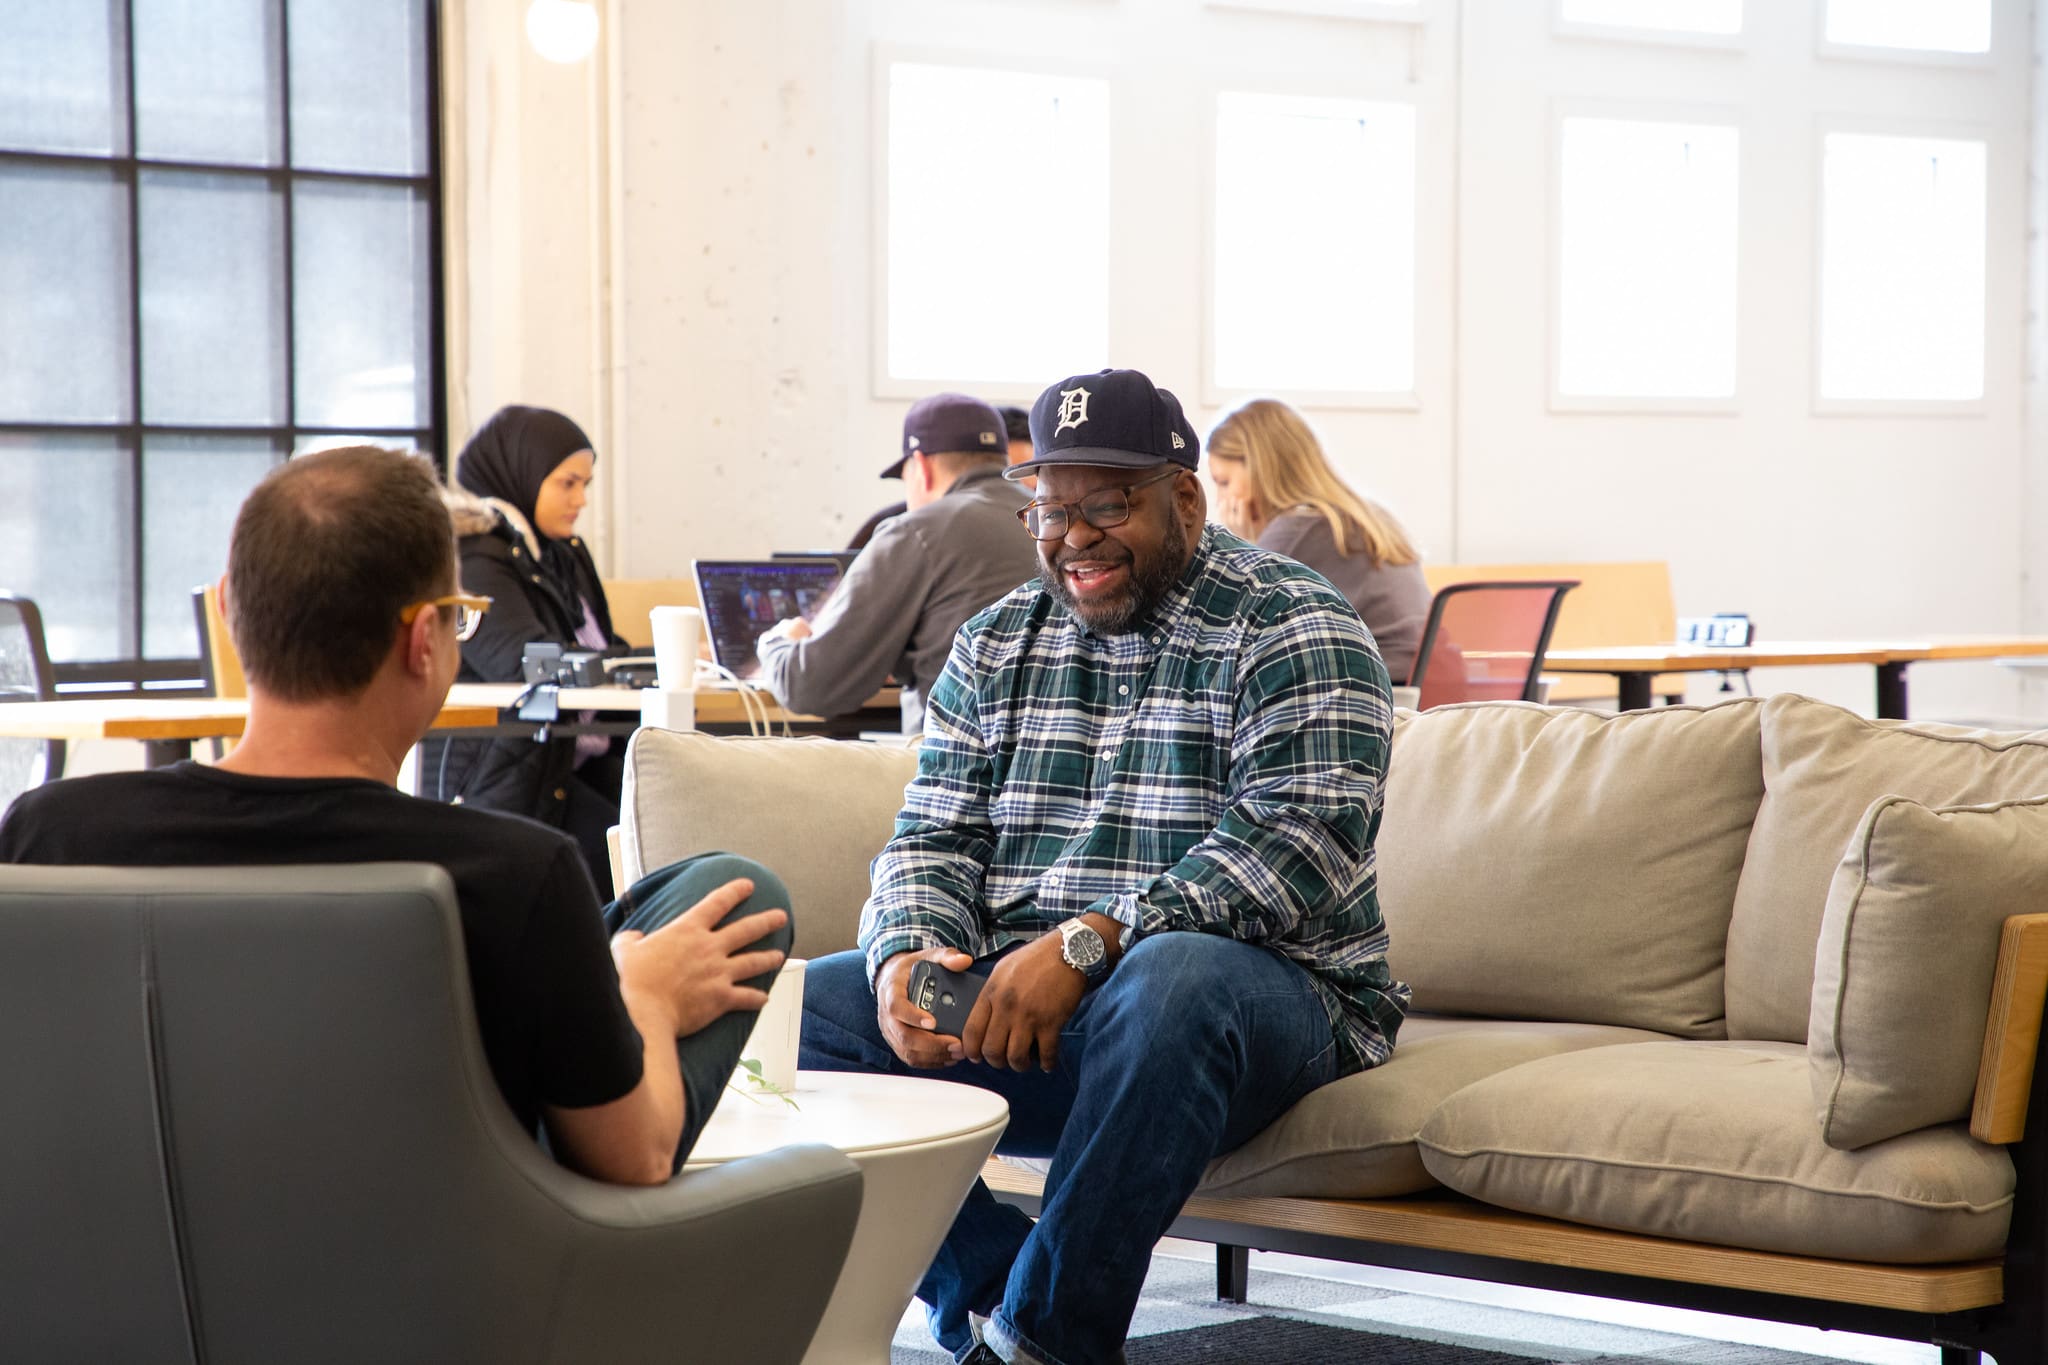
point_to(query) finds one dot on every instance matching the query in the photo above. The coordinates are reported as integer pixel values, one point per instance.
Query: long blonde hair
(1285, 468)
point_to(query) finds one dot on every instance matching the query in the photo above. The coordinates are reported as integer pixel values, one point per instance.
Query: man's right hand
(690, 969)
(908, 1030)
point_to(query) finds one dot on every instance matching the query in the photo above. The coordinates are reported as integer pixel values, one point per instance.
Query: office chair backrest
(217, 656)
(1486, 641)
(25, 675)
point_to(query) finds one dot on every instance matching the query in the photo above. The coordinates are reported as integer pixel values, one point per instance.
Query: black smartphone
(946, 995)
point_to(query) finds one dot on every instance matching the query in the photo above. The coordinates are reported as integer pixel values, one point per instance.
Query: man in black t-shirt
(341, 595)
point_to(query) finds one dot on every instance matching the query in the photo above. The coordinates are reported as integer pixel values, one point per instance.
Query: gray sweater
(900, 605)
(1393, 599)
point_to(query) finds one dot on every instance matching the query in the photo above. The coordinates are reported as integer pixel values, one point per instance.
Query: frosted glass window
(64, 353)
(978, 288)
(191, 489)
(65, 514)
(1902, 268)
(1669, 16)
(207, 81)
(1315, 244)
(58, 75)
(213, 332)
(359, 85)
(1922, 25)
(360, 313)
(1646, 259)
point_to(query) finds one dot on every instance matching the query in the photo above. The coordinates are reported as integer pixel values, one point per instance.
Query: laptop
(843, 558)
(742, 598)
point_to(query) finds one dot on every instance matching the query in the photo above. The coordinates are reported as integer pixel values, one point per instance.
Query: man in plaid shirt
(1144, 814)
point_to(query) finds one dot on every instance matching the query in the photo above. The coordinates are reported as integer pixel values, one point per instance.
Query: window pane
(57, 75)
(958, 248)
(1676, 16)
(65, 512)
(359, 85)
(64, 276)
(191, 489)
(360, 297)
(306, 445)
(1902, 268)
(1926, 25)
(212, 300)
(1322, 295)
(206, 81)
(1646, 271)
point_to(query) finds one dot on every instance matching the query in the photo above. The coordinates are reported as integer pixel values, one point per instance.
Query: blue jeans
(709, 1055)
(1193, 1044)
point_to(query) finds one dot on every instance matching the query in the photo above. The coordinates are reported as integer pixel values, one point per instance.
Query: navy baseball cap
(949, 424)
(1112, 417)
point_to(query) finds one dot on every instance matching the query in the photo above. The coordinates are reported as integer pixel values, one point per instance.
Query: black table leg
(1634, 692)
(161, 753)
(1233, 1273)
(1891, 691)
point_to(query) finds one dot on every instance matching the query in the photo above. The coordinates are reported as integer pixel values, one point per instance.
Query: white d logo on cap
(1073, 409)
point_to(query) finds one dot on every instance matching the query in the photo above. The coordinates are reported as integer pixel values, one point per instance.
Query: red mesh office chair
(25, 675)
(1486, 641)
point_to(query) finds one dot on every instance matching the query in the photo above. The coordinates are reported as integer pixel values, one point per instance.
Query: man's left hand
(795, 628)
(1028, 999)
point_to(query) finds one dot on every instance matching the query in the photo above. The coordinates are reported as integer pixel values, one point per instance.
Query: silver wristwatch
(1083, 949)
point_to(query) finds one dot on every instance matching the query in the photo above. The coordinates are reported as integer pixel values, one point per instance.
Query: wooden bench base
(1449, 1223)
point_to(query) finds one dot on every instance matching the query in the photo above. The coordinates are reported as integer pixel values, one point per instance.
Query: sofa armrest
(2012, 1034)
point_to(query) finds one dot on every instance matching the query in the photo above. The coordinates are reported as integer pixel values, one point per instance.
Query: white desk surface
(850, 1111)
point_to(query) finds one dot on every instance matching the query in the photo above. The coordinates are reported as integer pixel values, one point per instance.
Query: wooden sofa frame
(1997, 1307)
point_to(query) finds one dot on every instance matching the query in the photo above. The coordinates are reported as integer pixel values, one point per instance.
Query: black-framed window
(220, 245)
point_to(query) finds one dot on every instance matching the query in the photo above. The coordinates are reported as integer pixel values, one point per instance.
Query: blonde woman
(1275, 487)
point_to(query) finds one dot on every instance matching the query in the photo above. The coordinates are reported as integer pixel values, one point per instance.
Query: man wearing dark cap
(954, 551)
(1144, 816)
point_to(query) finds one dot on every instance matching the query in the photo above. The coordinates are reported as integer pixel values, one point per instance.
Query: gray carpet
(1298, 1320)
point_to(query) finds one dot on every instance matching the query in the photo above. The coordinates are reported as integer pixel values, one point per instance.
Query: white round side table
(919, 1144)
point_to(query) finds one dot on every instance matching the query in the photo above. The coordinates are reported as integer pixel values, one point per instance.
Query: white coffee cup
(773, 1042)
(676, 632)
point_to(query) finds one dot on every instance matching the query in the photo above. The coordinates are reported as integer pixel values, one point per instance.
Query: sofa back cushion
(1548, 863)
(817, 811)
(1823, 767)
(1908, 949)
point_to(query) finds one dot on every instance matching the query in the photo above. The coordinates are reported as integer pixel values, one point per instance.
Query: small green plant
(758, 1088)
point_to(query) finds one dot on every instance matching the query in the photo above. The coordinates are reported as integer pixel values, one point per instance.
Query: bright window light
(1922, 25)
(1671, 16)
(1315, 245)
(1646, 269)
(1902, 268)
(981, 288)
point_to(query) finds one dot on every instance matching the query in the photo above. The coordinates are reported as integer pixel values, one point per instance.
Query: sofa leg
(1234, 1273)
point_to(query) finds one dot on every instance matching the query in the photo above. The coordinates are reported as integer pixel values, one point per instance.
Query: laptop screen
(744, 597)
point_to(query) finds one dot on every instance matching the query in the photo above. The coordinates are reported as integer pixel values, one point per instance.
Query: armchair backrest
(249, 1118)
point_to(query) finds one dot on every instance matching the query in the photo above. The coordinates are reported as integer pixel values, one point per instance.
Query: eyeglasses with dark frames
(469, 612)
(1103, 509)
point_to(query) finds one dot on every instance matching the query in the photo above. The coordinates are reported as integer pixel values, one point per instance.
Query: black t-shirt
(540, 967)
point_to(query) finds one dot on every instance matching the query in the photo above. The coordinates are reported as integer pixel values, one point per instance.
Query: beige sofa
(1625, 1074)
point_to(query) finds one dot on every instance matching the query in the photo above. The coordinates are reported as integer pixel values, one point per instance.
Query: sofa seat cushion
(1822, 767)
(1715, 1142)
(1908, 950)
(815, 810)
(1355, 1138)
(1540, 863)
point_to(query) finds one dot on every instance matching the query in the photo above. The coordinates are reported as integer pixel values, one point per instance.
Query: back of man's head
(327, 552)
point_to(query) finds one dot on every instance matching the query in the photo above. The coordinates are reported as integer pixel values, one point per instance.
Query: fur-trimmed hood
(475, 516)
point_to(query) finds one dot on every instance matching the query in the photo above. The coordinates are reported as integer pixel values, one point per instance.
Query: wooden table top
(715, 705)
(164, 718)
(1788, 654)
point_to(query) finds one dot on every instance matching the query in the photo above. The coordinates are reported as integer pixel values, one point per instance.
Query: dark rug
(1287, 1341)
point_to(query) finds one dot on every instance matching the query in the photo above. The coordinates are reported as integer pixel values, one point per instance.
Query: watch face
(1083, 947)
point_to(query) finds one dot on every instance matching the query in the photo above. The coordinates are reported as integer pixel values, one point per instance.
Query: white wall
(723, 154)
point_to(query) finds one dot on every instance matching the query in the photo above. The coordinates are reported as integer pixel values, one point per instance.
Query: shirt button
(1052, 880)
(1123, 691)
(561, 793)
(1155, 639)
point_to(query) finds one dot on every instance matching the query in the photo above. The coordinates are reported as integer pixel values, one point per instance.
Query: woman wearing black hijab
(522, 481)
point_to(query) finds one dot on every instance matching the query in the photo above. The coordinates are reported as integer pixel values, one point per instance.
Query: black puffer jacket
(499, 559)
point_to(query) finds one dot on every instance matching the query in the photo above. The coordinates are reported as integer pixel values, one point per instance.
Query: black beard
(1150, 583)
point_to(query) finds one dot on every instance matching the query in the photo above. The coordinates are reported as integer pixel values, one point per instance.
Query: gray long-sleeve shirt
(900, 605)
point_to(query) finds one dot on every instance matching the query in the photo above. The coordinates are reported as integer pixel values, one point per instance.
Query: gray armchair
(245, 1116)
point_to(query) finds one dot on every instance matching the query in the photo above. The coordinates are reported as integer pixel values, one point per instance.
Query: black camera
(546, 663)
